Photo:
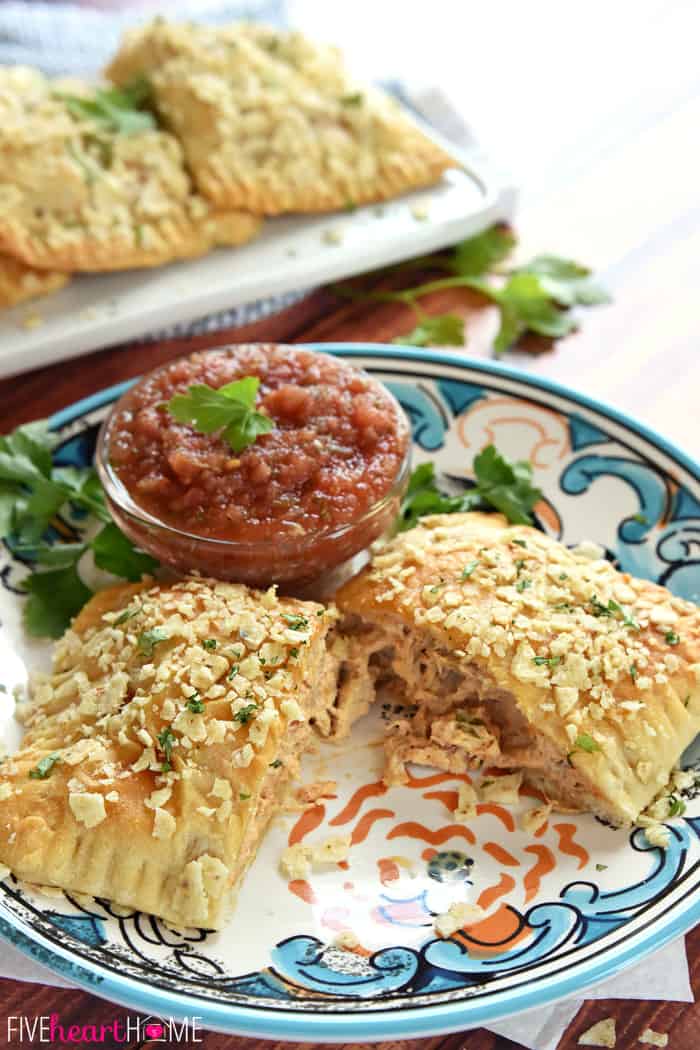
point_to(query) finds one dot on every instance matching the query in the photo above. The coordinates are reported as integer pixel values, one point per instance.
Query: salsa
(337, 448)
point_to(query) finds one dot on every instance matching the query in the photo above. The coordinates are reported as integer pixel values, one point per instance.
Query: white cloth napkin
(663, 975)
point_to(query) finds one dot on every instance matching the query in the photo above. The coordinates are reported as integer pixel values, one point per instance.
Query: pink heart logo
(154, 1031)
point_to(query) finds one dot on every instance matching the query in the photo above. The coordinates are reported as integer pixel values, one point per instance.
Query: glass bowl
(314, 563)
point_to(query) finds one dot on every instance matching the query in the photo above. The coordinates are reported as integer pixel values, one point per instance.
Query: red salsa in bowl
(317, 480)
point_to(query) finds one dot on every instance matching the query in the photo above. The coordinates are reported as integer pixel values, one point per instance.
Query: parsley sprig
(499, 484)
(229, 409)
(538, 296)
(37, 498)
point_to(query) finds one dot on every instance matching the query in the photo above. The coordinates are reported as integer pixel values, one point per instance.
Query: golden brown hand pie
(272, 123)
(161, 743)
(517, 652)
(75, 194)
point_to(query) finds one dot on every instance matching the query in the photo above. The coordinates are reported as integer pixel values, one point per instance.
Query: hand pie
(81, 192)
(20, 283)
(517, 652)
(272, 123)
(162, 743)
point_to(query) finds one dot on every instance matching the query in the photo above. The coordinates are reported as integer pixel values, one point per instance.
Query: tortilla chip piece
(272, 123)
(19, 283)
(80, 193)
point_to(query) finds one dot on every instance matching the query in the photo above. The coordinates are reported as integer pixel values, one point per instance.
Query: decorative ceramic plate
(565, 908)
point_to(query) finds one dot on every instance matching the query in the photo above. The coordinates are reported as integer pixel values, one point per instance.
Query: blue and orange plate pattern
(562, 909)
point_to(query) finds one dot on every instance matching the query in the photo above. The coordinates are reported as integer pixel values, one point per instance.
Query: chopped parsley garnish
(671, 638)
(355, 99)
(229, 409)
(520, 564)
(601, 867)
(469, 569)
(276, 764)
(521, 543)
(44, 768)
(295, 621)
(195, 704)
(522, 585)
(244, 796)
(209, 643)
(634, 673)
(613, 609)
(166, 740)
(294, 653)
(499, 485)
(128, 614)
(584, 742)
(233, 672)
(148, 640)
(546, 661)
(244, 714)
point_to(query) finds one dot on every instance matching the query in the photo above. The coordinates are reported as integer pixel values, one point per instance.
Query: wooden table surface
(633, 211)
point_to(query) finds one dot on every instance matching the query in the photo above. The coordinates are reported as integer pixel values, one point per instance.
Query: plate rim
(409, 1022)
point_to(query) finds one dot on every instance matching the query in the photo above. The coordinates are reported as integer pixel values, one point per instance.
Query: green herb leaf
(209, 643)
(229, 408)
(567, 283)
(469, 569)
(128, 614)
(676, 807)
(523, 585)
(195, 704)
(148, 640)
(424, 497)
(601, 867)
(479, 254)
(119, 110)
(244, 714)
(44, 768)
(114, 552)
(584, 742)
(505, 485)
(244, 796)
(276, 763)
(546, 661)
(355, 99)
(613, 609)
(634, 673)
(166, 740)
(441, 330)
(671, 638)
(55, 597)
(295, 621)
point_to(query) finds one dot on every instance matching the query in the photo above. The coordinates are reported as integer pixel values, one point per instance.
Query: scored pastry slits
(79, 196)
(20, 283)
(272, 123)
(162, 742)
(517, 652)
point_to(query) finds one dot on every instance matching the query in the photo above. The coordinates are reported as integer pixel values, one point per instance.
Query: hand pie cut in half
(90, 185)
(162, 742)
(513, 651)
(272, 123)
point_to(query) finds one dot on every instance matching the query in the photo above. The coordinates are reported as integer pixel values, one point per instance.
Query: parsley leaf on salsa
(230, 409)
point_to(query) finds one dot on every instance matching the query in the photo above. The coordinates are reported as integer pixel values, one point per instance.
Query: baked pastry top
(78, 192)
(162, 742)
(272, 123)
(519, 652)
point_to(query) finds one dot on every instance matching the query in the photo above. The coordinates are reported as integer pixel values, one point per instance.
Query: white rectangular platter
(292, 253)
